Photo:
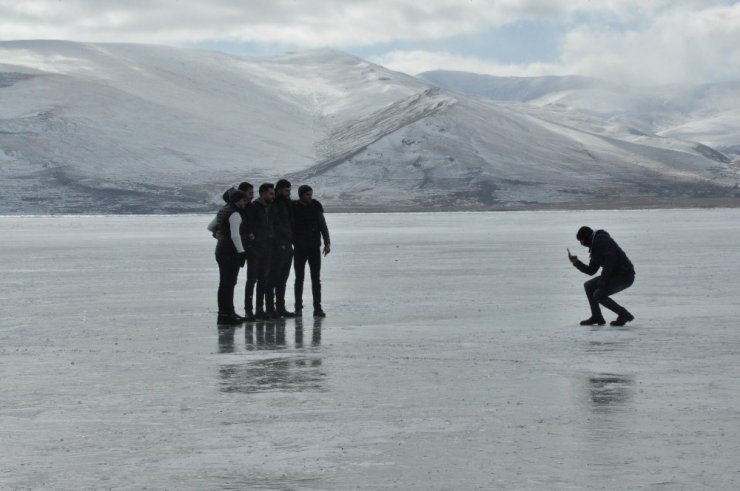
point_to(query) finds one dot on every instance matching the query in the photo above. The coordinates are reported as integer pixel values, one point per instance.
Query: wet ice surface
(451, 358)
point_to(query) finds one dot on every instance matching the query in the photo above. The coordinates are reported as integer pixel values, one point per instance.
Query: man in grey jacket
(617, 274)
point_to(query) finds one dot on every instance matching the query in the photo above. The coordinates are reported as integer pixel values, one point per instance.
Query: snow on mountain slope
(134, 128)
(672, 116)
(168, 124)
(472, 153)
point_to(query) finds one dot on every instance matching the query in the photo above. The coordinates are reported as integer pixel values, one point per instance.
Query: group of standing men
(268, 234)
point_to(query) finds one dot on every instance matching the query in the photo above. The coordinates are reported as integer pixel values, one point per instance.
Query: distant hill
(118, 128)
(706, 114)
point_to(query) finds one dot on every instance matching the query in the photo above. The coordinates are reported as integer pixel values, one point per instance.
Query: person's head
(305, 193)
(238, 198)
(585, 235)
(282, 189)
(267, 192)
(247, 188)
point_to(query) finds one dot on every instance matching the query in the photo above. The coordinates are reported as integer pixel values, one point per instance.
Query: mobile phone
(569, 254)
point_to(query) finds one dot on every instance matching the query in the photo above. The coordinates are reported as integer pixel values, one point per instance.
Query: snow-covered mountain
(138, 128)
(700, 114)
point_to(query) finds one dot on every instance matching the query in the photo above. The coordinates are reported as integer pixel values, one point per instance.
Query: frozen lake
(451, 358)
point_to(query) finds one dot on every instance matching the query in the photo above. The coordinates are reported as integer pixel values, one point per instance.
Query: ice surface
(451, 358)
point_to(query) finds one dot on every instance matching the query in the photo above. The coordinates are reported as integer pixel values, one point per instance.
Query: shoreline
(625, 204)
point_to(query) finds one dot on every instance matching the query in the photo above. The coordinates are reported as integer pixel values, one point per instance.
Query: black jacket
(261, 221)
(606, 254)
(225, 246)
(284, 221)
(310, 225)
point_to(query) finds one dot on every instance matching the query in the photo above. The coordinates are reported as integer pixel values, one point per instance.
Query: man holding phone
(617, 274)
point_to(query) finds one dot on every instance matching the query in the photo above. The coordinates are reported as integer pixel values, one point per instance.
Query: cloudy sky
(638, 41)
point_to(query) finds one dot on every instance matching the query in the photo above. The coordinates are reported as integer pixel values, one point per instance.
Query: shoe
(260, 315)
(319, 313)
(593, 321)
(622, 319)
(285, 313)
(249, 317)
(228, 320)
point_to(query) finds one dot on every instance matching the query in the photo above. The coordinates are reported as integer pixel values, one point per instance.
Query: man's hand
(573, 260)
(218, 235)
(242, 259)
(327, 250)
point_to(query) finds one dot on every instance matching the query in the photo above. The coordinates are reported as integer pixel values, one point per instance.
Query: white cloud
(418, 61)
(649, 40)
(683, 45)
(305, 23)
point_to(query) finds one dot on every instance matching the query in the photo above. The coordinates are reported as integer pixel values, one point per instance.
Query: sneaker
(285, 313)
(319, 313)
(622, 319)
(593, 321)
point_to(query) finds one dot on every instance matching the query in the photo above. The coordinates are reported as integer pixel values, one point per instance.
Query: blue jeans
(600, 295)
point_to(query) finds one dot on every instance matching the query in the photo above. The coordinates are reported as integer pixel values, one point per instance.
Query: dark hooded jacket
(310, 225)
(284, 221)
(261, 221)
(606, 254)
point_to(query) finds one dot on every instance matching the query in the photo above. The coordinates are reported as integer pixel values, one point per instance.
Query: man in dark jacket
(230, 255)
(617, 274)
(310, 228)
(260, 234)
(282, 252)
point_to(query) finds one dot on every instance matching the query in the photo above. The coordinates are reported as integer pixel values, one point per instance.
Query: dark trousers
(600, 295)
(258, 272)
(312, 255)
(282, 258)
(228, 272)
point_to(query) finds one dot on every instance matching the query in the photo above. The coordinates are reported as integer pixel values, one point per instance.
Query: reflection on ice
(605, 346)
(285, 374)
(265, 335)
(298, 373)
(609, 391)
(315, 335)
(226, 340)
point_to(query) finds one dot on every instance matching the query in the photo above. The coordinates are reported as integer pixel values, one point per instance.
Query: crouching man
(617, 274)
